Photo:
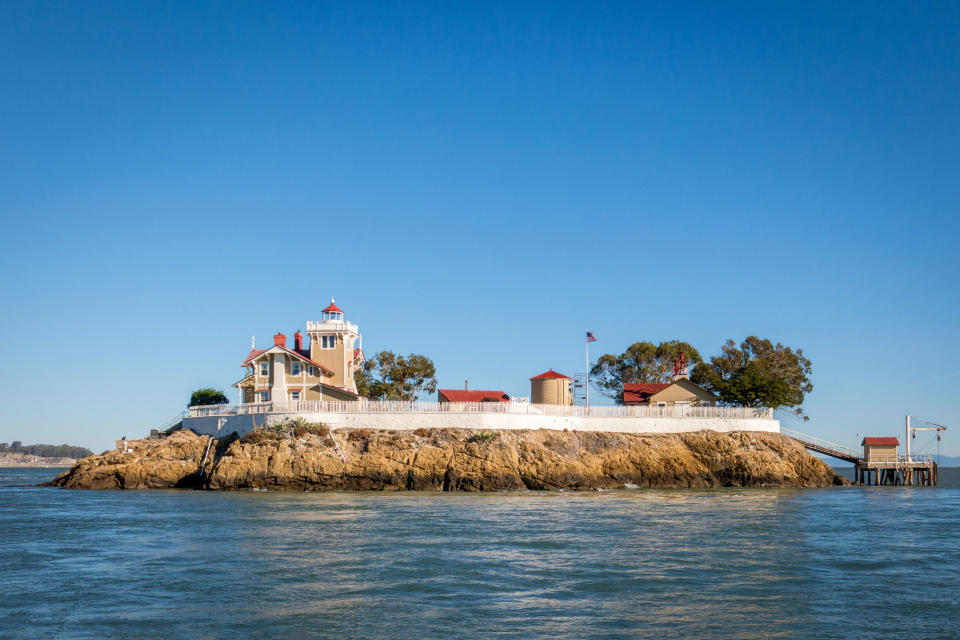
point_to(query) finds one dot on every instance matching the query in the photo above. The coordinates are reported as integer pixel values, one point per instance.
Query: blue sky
(480, 183)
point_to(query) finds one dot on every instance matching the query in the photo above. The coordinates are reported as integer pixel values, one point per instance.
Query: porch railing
(377, 406)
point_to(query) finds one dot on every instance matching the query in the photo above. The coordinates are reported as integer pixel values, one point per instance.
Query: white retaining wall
(244, 423)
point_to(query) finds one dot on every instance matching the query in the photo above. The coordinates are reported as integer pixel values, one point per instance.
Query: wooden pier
(892, 471)
(901, 472)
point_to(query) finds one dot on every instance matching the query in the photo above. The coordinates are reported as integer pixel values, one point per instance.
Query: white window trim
(295, 368)
(264, 364)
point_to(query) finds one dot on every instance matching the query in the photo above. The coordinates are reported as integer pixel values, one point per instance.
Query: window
(264, 368)
(328, 342)
(312, 370)
(264, 396)
(294, 395)
(295, 368)
(661, 404)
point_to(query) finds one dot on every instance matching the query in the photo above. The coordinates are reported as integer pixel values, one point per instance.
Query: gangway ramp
(822, 446)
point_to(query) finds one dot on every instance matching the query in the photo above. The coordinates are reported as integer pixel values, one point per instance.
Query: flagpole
(586, 389)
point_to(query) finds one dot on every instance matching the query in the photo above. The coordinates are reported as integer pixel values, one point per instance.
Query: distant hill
(949, 461)
(45, 450)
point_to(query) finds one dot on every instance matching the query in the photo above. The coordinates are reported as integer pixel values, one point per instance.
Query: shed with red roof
(471, 395)
(668, 394)
(880, 449)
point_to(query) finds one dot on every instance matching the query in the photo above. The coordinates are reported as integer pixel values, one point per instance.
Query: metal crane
(912, 431)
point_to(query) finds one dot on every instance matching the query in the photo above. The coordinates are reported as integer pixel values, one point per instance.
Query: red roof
(462, 395)
(250, 356)
(639, 392)
(549, 374)
(881, 442)
(333, 308)
(302, 354)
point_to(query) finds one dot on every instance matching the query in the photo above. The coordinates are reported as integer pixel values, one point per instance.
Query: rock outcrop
(456, 459)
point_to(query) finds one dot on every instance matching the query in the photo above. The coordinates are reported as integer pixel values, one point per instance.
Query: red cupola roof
(333, 308)
(549, 374)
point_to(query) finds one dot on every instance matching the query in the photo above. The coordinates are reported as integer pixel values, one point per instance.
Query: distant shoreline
(17, 460)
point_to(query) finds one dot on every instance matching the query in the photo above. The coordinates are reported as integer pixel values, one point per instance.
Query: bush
(359, 434)
(261, 435)
(301, 427)
(483, 437)
(207, 396)
(315, 429)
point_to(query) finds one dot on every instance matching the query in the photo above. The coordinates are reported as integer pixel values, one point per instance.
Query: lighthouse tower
(336, 344)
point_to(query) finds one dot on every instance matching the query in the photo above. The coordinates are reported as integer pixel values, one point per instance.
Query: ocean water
(727, 563)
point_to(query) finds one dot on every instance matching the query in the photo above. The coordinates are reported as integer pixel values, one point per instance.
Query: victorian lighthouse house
(322, 368)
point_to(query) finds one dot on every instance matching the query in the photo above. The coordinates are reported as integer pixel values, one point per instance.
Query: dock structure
(879, 465)
(900, 472)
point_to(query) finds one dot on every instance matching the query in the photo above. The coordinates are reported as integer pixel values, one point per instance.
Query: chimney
(280, 340)
(298, 341)
(466, 385)
(680, 368)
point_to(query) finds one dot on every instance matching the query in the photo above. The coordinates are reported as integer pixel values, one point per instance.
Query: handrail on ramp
(825, 447)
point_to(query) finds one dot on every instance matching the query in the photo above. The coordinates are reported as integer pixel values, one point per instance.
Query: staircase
(822, 446)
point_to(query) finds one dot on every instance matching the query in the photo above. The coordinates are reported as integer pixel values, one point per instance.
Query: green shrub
(483, 437)
(302, 428)
(262, 434)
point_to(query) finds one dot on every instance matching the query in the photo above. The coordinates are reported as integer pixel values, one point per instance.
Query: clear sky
(480, 183)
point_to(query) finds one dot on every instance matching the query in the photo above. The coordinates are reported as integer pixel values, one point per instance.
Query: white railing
(172, 421)
(819, 442)
(376, 406)
(331, 325)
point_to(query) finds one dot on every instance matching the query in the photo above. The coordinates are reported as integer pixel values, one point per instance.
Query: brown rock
(449, 460)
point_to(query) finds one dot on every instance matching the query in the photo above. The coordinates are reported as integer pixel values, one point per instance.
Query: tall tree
(207, 396)
(641, 362)
(758, 373)
(388, 376)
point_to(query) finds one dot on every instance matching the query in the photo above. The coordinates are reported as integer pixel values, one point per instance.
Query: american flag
(591, 337)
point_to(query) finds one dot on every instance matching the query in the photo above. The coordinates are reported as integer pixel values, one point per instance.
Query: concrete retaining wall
(245, 423)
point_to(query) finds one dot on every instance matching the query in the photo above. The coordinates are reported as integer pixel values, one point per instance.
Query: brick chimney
(298, 341)
(280, 340)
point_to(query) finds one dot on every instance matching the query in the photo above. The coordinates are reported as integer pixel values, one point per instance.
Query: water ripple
(735, 563)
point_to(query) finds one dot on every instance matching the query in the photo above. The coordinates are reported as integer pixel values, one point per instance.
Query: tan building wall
(339, 360)
(550, 391)
(682, 391)
(302, 381)
(879, 453)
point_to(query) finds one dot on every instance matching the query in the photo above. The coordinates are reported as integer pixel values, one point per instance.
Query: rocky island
(312, 458)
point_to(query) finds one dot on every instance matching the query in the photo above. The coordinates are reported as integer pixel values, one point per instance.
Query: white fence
(371, 406)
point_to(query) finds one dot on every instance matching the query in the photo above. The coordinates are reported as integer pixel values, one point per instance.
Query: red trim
(881, 442)
(333, 308)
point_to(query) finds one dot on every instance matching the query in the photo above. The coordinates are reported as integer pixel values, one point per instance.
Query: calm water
(830, 563)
